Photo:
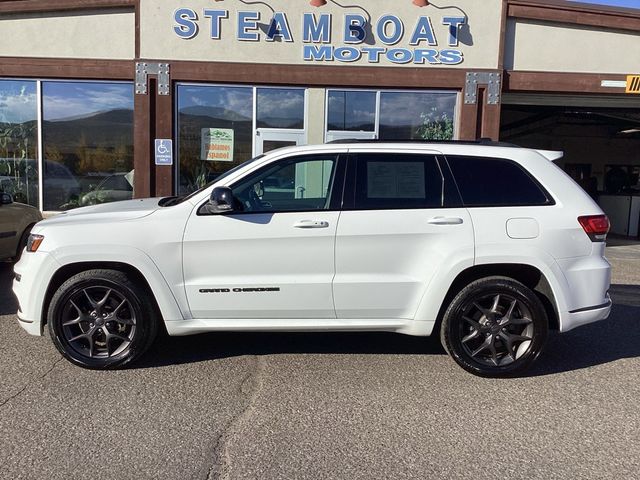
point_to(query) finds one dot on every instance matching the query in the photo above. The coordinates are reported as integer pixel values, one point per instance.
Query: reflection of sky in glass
(233, 99)
(280, 108)
(614, 3)
(18, 103)
(405, 108)
(352, 111)
(72, 100)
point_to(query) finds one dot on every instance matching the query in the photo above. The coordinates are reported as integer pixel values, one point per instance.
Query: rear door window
(397, 181)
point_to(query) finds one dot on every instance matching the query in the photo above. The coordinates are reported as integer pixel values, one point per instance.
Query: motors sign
(362, 39)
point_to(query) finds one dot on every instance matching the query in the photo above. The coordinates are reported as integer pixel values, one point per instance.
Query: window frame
(336, 187)
(550, 201)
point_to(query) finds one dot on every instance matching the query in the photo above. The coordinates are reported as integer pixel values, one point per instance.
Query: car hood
(105, 212)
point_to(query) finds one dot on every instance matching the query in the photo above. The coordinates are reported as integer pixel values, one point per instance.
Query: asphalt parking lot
(330, 406)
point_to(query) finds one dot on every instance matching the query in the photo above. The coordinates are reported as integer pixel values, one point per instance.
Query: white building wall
(95, 34)
(551, 47)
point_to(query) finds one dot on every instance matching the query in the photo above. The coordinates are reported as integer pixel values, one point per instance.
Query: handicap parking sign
(164, 151)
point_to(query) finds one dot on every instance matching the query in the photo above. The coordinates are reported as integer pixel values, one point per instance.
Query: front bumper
(32, 276)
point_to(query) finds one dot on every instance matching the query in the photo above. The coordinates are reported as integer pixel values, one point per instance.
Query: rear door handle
(311, 224)
(446, 221)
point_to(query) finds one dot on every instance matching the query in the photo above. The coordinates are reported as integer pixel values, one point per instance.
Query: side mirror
(5, 199)
(221, 201)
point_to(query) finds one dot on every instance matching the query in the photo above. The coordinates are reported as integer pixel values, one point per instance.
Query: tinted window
(495, 182)
(294, 184)
(397, 181)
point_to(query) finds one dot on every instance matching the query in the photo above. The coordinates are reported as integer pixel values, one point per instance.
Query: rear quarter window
(495, 182)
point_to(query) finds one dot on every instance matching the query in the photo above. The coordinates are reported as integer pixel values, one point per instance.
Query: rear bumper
(585, 294)
(585, 316)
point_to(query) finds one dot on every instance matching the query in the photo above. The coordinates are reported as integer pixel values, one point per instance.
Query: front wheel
(100, 319)
(495, 327)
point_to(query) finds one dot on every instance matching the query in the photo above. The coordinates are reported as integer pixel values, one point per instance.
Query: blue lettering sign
(347, 54)
(186, 26)
(279, 27)
(397, 29)
(354, 31)
(423, 55)
(400, 55)
(316, 31)
(451, 57)
(373, 53)
(247, 26)
(454, 24)
(216, 16)
(317, 53)
(423, 32)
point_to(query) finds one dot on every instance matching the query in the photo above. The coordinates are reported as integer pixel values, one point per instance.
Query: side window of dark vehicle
(495, 182)
(397, 181)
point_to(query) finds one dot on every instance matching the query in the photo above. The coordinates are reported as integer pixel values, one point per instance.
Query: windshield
(178, 200)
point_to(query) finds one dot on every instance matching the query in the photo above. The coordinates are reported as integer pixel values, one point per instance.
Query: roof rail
(482, 141)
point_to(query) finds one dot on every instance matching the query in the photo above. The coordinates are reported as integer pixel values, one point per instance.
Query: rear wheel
(100, 319)
(495, 327)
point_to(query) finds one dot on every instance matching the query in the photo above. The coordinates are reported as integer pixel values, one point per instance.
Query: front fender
(165, 298)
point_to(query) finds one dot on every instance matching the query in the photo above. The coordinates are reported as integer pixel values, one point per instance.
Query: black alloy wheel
(100, 319)
(495, 327)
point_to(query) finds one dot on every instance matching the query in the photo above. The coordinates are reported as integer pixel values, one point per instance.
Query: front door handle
(311, 224)
(446, 221)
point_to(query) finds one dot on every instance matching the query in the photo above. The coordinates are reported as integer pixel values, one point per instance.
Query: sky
(616, 3)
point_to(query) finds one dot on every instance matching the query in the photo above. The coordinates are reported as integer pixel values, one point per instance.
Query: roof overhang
(562, 11)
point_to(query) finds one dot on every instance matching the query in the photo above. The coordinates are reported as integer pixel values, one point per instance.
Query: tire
(100, 319)
(22, 244)
(495, 327)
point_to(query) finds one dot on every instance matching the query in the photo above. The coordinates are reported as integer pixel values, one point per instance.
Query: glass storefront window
(391, 115)
(352, 111)
(19, 140)
(280, 108)
(216, 127)
(417, 115)
(88, 143)
(215, 132)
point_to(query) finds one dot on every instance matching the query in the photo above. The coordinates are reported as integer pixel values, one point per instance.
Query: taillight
(596, 226)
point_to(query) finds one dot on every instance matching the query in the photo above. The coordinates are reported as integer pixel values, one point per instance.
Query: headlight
(34, 242)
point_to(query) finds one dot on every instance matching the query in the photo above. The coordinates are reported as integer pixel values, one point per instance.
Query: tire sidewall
(450, 332)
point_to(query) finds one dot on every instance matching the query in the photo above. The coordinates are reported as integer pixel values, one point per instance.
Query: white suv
(488, 246)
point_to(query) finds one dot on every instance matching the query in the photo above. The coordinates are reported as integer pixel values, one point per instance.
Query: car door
(400, 225)
(274, 256)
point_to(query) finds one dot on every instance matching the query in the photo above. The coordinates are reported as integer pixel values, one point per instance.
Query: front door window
(292, 185)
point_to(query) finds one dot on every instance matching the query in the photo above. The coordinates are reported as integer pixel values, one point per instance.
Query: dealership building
(102, 100)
